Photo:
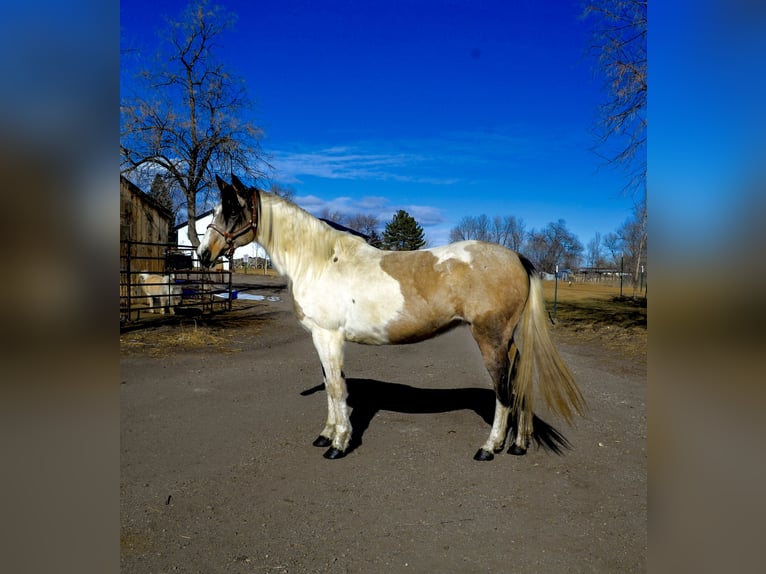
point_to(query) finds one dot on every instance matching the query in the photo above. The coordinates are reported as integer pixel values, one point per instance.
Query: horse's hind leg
(521, 441)
(524, 418)
(496, 440)
(503, 368)
(497, 360)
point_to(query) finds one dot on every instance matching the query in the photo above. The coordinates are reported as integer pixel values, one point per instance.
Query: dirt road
(218, 473)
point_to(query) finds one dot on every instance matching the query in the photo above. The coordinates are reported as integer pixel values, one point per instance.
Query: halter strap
(252, 225)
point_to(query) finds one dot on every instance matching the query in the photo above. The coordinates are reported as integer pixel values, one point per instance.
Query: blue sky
(707, 158)
(441, 108)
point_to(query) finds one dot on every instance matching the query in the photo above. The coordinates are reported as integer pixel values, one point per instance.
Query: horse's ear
(221, 183)
(229, 200)
(238, 185)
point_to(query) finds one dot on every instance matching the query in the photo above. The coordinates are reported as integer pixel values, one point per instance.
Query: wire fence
(166, 278)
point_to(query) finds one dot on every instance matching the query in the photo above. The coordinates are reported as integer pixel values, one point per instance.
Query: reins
(252, 225)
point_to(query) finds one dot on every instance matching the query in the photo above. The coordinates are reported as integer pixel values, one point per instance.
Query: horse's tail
(554, 379)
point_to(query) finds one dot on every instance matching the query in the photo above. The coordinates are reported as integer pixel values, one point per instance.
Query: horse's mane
(340, 227)
(298, 242)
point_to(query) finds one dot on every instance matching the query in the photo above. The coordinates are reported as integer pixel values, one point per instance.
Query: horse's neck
(298, 243)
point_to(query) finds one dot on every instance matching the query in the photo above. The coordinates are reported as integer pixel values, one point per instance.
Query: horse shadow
(367, 397)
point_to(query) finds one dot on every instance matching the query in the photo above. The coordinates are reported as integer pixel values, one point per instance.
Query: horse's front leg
(325, 437)
(337, 431)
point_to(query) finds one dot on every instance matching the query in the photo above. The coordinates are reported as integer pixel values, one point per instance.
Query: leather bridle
(252, 225)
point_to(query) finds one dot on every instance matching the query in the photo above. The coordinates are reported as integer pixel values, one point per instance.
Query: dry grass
(166, 339)
(592, 312)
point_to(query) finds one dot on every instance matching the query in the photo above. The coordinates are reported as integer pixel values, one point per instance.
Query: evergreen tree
(403, 233)
(375, 239)
(160, 192)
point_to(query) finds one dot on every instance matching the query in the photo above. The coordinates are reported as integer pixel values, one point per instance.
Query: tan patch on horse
(482, 284)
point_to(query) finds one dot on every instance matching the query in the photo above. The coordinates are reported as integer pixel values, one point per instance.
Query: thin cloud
(453, 157)
(354, 163)
(379, 207)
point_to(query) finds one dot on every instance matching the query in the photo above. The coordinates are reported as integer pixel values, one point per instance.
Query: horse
(160, 288)
(344, 289)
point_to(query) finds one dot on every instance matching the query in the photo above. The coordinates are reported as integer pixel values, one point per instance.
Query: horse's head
(235, 221)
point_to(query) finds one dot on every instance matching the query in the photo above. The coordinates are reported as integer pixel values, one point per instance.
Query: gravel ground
(218, 473)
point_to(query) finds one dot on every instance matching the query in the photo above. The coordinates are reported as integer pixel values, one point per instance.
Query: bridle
(252, 225)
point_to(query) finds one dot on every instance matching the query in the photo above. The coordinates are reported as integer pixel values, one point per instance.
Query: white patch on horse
(457, 251)
(353, 294)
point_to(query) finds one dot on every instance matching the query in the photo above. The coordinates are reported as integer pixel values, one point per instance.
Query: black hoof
(322, 441)
(517, 450)
(333, 453)
(482, 454)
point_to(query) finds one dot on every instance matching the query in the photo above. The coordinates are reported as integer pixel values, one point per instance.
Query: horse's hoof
(322, 441)
(483, 455)
(517, 450)
(333, 453)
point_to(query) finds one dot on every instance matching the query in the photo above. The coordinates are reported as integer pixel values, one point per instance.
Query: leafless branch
(189, 118)
(619, 44)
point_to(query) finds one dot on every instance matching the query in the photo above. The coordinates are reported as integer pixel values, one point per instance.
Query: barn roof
(133, 188)
(185, 223)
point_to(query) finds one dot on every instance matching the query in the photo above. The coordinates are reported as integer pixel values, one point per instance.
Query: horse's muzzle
(205, 258)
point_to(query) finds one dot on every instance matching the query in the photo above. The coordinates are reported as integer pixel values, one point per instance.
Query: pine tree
(403, 233)
(160, 192)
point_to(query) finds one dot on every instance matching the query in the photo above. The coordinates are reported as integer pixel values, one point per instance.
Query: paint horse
(347, 290)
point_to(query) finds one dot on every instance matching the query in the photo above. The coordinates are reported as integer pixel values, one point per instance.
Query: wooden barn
(144, 234)
(143, 220)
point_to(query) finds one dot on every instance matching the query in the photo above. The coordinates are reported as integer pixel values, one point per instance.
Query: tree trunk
(191, 211)
(641, 244)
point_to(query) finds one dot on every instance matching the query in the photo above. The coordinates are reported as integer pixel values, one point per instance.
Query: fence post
(130, 285)
(231, 272)
(555, 292)
(622, 268)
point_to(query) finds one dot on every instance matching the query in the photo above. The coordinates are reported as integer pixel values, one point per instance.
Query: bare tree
(507, 231)
(594, 251)
(619, 43)
(467, 228)
(334, 216)
(627, 246)
(554, 245)
(613, 244)
(186, 116)
(632, 236)
(515, 230)
(364, 223)
(641, 250)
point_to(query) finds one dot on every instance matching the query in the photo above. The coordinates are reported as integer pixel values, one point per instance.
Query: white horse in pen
(160, 291)
(347, 290)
